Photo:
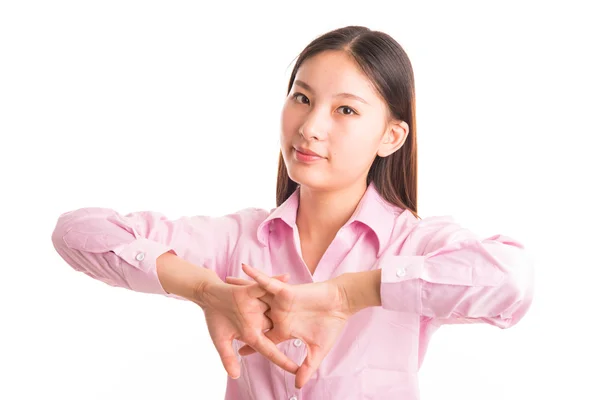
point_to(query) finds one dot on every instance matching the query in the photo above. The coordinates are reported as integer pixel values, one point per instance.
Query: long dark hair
(387, 65)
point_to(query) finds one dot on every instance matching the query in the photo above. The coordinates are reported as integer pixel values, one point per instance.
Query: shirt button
(297, 342)
(400, 272)
(293, 398)
(140, 256)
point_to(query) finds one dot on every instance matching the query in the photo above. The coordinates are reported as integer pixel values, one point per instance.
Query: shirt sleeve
(451, 275)
(121, 250)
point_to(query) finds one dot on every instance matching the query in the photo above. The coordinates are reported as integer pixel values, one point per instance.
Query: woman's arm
(122, 250)
(359, 290)
(183, 258)
(184, 279)
(454, 277)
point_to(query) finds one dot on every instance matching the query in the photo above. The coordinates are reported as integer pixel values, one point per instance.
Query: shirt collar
(372, 211)
(286, 212)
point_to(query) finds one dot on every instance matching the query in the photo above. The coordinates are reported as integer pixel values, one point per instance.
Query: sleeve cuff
(401, 286)
(142, 254)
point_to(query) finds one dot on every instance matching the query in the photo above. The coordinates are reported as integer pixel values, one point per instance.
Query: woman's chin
(309, 178)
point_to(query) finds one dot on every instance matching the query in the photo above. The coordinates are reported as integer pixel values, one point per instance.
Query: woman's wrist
(184, 279)
(359, 290)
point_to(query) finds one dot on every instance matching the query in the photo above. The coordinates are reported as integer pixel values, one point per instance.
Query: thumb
(311, 363)
(228, 358)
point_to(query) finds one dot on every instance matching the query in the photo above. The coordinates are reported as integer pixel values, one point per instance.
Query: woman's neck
(322, 213)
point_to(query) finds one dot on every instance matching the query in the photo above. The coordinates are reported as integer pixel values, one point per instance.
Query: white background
(174, 107)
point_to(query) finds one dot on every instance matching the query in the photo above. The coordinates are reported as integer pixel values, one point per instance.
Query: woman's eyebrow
(306, 86)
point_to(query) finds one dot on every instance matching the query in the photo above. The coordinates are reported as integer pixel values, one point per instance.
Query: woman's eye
(302, 99)
(300, 96)
(347, 110)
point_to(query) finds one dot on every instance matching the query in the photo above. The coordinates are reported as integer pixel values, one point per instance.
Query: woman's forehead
(330, 73)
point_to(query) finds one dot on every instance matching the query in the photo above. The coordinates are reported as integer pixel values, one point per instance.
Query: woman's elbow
(516, 291)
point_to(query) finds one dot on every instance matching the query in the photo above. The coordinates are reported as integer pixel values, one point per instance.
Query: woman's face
(334, 111)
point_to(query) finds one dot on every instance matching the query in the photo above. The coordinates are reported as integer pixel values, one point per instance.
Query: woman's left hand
(315, 313)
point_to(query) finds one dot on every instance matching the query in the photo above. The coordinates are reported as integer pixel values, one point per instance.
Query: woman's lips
(303, 157)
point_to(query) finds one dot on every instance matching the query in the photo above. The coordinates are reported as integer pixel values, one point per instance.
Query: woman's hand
(316, 313)
(237, 312)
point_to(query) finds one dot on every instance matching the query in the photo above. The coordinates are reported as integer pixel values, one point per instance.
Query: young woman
(335, 293)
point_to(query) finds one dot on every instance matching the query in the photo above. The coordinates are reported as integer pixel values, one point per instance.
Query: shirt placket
(297, 352)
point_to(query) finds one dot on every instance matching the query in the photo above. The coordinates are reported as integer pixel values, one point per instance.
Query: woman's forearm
(360, 289)
(182, 278)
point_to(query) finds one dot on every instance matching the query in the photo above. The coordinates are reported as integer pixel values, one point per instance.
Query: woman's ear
(393, 138)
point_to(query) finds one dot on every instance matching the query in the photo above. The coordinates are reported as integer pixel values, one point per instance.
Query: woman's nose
(315, 127)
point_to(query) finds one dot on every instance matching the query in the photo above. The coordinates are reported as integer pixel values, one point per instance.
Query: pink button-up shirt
(433, 272)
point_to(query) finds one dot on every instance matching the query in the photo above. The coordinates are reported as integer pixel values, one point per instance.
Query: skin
(348, 133)
(231, 311)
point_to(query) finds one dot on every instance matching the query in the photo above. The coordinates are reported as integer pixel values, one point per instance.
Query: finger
(268, 349)
(272, 335)
(246, 350)
(267, 323)
(271, 285)
(311, 363)
(263, 307)
(228, 358)
(256, 291)
(267, 298)
(303, 375)
(238, 281)
(245, 282)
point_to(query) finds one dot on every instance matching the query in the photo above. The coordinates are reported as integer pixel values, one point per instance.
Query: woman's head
(351, 101)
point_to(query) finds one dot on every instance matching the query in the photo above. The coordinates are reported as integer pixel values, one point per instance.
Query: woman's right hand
(236, 312)
(231, 311)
